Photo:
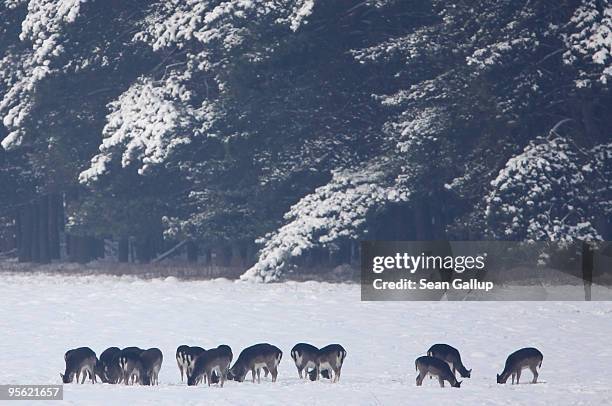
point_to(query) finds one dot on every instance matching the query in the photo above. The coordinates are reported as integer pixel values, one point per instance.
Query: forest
(274, 135)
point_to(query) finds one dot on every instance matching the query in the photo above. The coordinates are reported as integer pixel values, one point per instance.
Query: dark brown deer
(305, 357)
(255, 358)
(151, 360)
(331, 358)
(427, 365)
(79, 361)
(451, 356)
(215, 360)
(517, 361)
(106, 369)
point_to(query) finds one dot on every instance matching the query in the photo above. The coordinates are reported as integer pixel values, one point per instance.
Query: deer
(215, 360)
(331, 358)
(181, 359)
(106, 369)
(305, 357)
(186, 357)
(151, 360)
(517, 361)
(255, 358)
(130, 365)
(451, 356)
(433, 366)
(79, 361)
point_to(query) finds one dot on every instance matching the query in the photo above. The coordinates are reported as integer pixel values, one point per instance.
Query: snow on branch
(589, 41)
(176, 22)
(19, 78)
(44, 27)
(146, 123)
(44, 24)
(544, 194)
(337, 210)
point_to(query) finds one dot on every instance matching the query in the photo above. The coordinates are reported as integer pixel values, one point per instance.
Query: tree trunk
(80, 249)
(236, 257)
(24, 251)
(43, 229)
(17, 229)
(192, 251)
(35, 232)
(124, 249)
(587, 269)
(144, 249)
(422, 222)
(54, 226)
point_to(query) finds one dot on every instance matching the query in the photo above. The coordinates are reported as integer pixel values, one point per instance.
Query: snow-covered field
(43, 315)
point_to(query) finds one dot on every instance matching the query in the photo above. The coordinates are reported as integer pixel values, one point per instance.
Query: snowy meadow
(45, 315)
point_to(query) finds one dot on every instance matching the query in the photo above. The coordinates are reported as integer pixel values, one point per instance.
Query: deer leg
(513, 374)
(84, 374)
(518, 376)
(338, 373)
(253, 374)
(419, 379)
(535, 373)
(181, 369)
(274, 372)
(441, 381)
(258, 375)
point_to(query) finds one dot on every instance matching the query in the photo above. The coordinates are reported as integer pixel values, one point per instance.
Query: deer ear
(470, 371)
(61, 375)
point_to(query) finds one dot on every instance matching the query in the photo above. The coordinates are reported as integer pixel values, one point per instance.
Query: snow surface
(44, 315)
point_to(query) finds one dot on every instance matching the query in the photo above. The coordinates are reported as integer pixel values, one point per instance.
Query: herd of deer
(133, 365)
(443, 361)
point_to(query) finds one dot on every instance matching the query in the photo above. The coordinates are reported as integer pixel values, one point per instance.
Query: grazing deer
(517, 361)
(331, 358)
(305, 357)
(191, 356)
(79, 361)
(436, 367)
(106, 369)
(255, 358)
(215, 360)
(451, 356)
(130, 365)
(181, 359)
(151, 360)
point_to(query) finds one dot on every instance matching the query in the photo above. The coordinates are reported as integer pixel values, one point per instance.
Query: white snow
(44, 315)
